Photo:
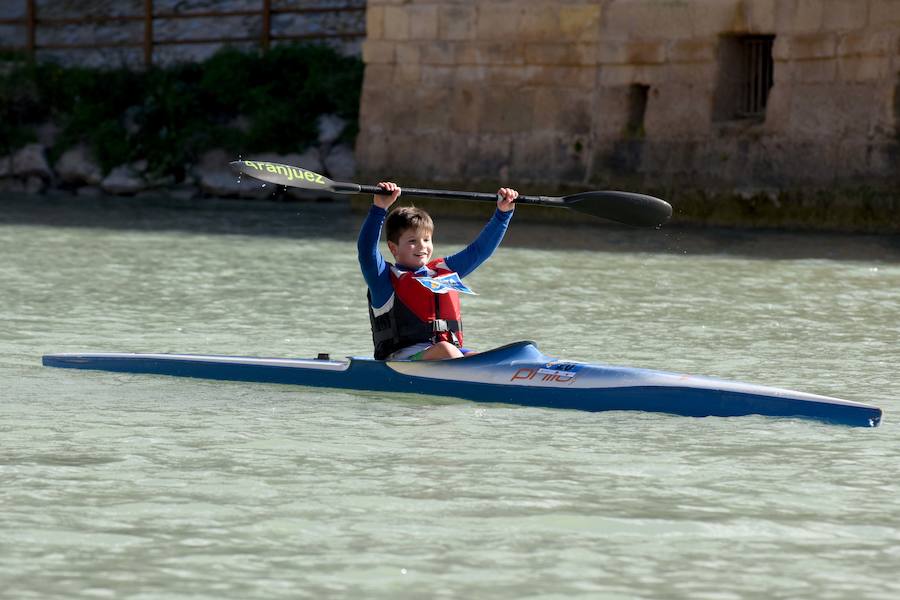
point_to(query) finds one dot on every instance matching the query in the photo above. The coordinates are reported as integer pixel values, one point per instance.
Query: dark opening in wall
(746, 74)
(637, 108)
(897, 107)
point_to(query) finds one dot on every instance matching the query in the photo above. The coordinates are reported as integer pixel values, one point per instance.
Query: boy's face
(413, 249)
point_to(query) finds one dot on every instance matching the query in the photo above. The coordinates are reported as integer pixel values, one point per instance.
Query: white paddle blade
(286, 175)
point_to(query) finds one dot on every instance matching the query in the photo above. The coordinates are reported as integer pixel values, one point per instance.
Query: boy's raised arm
(470, 258)
(371, 263)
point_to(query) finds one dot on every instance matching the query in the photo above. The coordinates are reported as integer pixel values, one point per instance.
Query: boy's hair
(407, 217)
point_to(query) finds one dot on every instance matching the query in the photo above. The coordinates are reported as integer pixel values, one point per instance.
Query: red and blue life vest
(414, 314)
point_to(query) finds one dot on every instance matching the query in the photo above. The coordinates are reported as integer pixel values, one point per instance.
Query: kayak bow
(517, 373)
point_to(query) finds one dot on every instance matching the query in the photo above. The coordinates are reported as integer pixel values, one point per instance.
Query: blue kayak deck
(516, 374)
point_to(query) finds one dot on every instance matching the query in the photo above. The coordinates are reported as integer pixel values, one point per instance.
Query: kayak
(517, 374)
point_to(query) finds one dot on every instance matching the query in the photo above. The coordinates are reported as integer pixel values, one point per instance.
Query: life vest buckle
(439, 326)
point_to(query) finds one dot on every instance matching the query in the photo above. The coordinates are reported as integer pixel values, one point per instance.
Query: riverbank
(339, 218)
(845, 209)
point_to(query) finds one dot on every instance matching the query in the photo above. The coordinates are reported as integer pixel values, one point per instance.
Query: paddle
(623, 207)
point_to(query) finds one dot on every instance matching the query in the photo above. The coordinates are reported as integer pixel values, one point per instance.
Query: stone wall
(591, 91)
(120, 42)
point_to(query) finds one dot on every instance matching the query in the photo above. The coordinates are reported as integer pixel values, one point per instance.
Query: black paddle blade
(284, 175)
(623, 207)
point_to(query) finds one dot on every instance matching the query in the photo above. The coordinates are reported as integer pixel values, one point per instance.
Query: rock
(5, 166)
(77, 166)
(160, 181)
(123, 181)
(140, 166)
(89, 191)
(330, 128)
(229, 185)
(30, 160)
(216, 178)
(11, 184)
(35, 184)
(311, 160)
(183, 192)
(340, 163)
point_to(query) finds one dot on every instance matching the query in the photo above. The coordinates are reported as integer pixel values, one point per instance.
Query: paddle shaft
(473, 196)
(623, 207)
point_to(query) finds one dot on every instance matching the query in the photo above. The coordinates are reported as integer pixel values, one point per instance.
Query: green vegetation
(243, 102)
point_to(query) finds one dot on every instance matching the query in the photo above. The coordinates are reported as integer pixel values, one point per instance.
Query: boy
(409, 320)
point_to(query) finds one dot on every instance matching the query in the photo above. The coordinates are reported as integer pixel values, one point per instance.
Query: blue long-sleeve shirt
(376, 271)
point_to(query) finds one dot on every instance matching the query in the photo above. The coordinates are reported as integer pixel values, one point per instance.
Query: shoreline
(340, 218)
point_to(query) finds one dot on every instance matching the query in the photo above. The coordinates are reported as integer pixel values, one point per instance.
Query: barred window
(746, 74)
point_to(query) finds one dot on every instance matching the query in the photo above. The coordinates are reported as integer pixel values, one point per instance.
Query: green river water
(145, 487)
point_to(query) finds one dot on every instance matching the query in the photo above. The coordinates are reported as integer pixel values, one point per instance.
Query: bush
(244, 102)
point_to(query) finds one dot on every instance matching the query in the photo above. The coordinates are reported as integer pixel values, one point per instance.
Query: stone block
(619, 75)
(647, 19)
(456, 22)
(562, 110)
(561, 76)
(506, 109)
(612, 52)
(408, 53)
(374, 22)
(471, 74)
(693, 50)
(423, 22)
(379, 75)
(560, 54)
(710, 18)
(864, 68)
(799, 16)
(488, 157)
(781, 48)
(432, 111)
(678, 110)
(865, 43)
(376, 102)
(579, 22)
(814, 71)
(439, 53)
(814, 111)
(506, 74)
(809, 46)
(645, 53)
(539, 23)
(843, 15)
(510, 52)
(465, 108)
(778, 108)
(497, 20)
(378, 52)
(408, 73)
(701, 74)
(884, 13)
(864, 111)
(759, 16)
(438, 75)
(396, 23)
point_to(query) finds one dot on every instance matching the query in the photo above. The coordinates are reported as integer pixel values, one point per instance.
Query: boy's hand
(506, 198)
(386, 201)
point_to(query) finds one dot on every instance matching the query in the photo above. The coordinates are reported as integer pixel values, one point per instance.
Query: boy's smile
(413, 249)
